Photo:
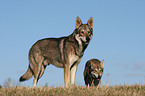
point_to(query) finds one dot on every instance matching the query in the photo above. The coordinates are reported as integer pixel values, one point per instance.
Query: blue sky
(119, 37)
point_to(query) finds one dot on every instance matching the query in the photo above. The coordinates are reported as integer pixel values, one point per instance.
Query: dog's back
(93, 72)
(50, 48)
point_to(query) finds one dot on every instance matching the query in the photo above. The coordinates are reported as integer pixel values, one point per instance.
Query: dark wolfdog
(93, 72)
(64, 52)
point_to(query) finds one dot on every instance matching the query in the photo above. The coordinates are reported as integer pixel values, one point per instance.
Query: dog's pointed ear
(102, 63)
(90, 22)
(78, 22)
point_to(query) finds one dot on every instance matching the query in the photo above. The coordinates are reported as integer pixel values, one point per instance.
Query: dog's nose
(87, 38)
(99, 77)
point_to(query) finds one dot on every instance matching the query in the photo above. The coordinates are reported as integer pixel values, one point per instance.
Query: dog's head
(97, 68)
(84, 32)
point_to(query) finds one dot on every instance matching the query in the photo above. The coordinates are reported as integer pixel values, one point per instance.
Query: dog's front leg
(66, 75)
(99, 83)
(72, 74)
(73, 71)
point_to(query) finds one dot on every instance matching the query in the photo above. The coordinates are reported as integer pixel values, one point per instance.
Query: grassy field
(126, 90)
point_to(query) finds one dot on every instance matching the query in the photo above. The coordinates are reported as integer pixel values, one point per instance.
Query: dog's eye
(89, 32)
(82, 32)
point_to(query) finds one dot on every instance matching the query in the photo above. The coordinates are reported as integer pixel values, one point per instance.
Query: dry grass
(126, 90)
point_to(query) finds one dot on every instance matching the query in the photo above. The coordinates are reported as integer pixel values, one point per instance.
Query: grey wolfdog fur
(64, 52)
(93, 72)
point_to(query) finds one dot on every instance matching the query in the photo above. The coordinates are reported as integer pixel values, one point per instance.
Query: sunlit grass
(125, 90)
(9, 89)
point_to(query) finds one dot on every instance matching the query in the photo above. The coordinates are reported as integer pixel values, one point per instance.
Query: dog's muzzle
(87, 40)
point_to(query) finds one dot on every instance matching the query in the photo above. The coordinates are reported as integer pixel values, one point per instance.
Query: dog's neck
(77, 44)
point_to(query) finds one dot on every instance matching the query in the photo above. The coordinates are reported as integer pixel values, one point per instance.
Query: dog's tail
(27, 75)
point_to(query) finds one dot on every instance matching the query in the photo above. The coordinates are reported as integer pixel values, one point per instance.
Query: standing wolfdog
(64, 52)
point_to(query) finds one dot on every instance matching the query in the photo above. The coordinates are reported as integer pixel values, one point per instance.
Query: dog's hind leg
(39, 72)
(36, 65)
(42, 71)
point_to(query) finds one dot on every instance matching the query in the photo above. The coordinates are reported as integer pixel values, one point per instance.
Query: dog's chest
(72, 58)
